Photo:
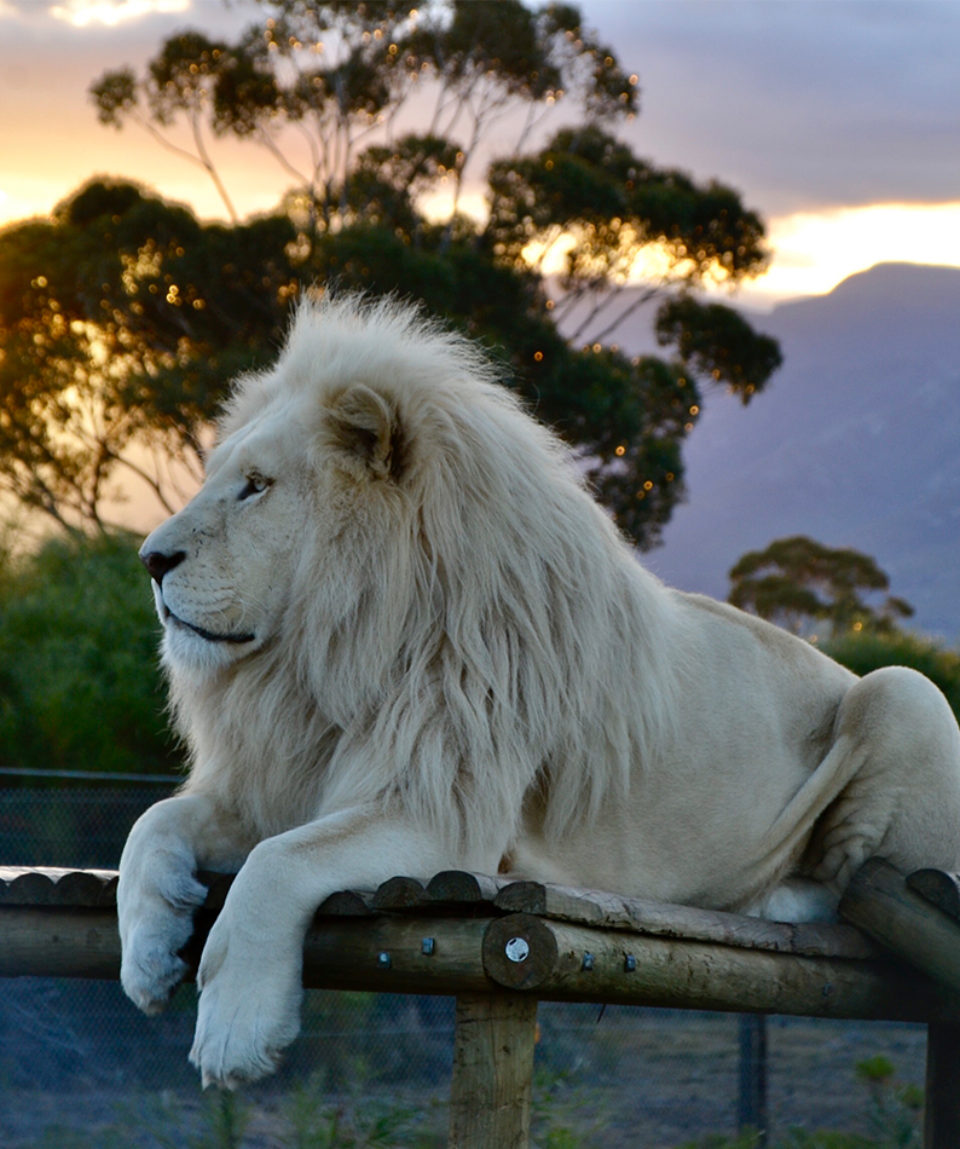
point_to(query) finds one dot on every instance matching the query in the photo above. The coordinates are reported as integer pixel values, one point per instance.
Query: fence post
(941, 1118)
(752, 1108)
(492, 1071)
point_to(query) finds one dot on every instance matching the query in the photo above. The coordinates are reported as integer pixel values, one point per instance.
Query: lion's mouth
(168, 617)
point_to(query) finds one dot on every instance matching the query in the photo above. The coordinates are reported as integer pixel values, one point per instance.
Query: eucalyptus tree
(800, 583)
(380, 119)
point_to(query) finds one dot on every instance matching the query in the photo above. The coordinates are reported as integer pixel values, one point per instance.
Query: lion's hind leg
(902, 799)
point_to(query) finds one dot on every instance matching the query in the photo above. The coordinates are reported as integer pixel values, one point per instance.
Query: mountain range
(855, 442)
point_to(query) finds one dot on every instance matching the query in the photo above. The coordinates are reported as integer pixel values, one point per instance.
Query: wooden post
(941, 1119)
(492, 1071)
(883, 905)
(752, 1101)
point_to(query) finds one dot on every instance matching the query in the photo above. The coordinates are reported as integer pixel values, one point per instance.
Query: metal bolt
(587, 961)
(383, 960)
(427, 946)
(517, 949)
(629, 963)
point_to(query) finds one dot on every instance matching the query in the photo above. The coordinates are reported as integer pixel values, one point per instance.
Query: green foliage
(717, 342)
(336, 69)
(565, 1114)
(227, 1116)
(79, 685)
(868, 651)
(746, 1140)
(797, 582)
(588, 184)
(825, 1139)
(894, 1114)
(316, 1124)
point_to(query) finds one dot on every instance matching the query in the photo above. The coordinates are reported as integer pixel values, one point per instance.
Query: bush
(80, 687)
(868, 651)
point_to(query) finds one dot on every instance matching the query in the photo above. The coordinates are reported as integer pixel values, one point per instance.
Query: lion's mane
(476, 634)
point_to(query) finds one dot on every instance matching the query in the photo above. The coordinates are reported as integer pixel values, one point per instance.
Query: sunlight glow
(814, 251)
(82, 13)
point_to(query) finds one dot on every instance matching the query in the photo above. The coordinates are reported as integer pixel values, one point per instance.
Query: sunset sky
(838, 121)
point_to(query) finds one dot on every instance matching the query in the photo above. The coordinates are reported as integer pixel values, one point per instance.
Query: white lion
(401, 637)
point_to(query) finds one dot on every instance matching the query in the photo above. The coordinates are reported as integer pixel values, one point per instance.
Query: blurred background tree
(123, 318)
(802, 584)
(837, 597)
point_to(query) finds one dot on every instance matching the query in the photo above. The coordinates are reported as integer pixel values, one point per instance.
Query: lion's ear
(364, 428)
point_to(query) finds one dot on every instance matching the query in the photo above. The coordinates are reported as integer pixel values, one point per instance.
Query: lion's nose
(159, 564)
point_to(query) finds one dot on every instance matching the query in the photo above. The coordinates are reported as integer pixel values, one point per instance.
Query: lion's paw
(247, 1015)
(150, 973)
(155, 925)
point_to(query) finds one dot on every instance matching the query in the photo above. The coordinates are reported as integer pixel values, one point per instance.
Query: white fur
(443, 655)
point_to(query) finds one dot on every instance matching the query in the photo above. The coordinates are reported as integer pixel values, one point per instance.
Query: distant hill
(856, 443)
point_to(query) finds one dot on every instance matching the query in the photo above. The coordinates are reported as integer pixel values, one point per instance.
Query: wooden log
(388, 954)
(663, 919)
(54, 886)
(49, 886)
(444, 955)
(941, 1117)
(399, 894)
(492, 1071)
(520, 952)
(397, 954)
(940, 888)
(346, 904)
(880, 902)
(52, 941)
(565, 962)
(458, 887)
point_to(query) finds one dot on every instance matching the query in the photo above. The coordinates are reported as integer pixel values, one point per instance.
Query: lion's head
(388, 550)
(359, 471)
(307, 456)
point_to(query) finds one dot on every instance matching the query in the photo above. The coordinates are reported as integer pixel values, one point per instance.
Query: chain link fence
(80, 1067)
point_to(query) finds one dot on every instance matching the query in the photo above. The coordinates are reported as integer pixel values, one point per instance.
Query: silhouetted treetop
(123, 317)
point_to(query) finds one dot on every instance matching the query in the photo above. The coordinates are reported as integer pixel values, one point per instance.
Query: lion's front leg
(158, 891)
(251, 972)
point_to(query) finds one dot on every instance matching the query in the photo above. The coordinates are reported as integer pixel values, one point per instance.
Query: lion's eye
(255, 485)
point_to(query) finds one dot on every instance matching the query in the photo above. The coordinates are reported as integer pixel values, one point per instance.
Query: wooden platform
(499, 946)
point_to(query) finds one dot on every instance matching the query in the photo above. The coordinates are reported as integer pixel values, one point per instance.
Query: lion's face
(350, 480)
(298, 499)
(222, 566)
